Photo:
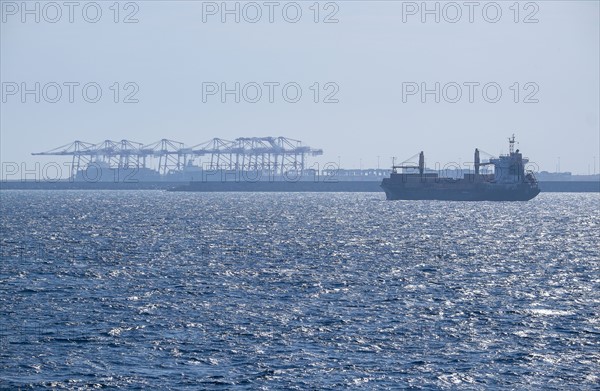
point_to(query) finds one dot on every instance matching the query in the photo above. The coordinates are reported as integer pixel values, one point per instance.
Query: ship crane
(478, 161)
(81, 152)
(420, 167)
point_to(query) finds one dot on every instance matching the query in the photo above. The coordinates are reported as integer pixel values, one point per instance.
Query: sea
(161, 290)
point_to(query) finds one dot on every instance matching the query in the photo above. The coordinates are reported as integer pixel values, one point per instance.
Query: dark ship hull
(456, 190)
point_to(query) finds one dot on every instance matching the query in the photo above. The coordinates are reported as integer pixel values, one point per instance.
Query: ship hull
(446, 195)
(487, 192)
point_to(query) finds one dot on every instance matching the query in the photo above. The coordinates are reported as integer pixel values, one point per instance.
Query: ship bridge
(510, 168)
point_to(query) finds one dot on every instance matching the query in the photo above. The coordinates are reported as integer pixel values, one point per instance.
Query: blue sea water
(151, 289)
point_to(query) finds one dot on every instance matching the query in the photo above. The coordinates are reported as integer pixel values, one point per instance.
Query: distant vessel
(508, 183)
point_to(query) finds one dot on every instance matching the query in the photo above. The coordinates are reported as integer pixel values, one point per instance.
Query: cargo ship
(509, 182)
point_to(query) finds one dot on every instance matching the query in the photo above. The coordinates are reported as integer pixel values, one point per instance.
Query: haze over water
(294, 291)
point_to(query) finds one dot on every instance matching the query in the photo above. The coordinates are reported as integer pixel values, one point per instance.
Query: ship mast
(511, 144)
(420, 167)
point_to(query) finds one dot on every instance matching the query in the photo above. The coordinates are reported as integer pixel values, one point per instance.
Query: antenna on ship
(511, 144)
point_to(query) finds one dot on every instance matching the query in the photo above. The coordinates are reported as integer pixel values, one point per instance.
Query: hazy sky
(375, 57)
